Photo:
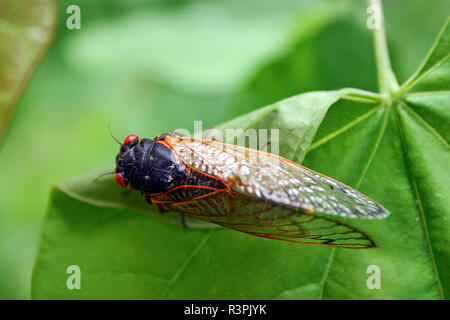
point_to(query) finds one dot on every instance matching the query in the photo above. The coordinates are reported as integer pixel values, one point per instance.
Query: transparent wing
(294, 226)
(268, 220)
(269, 177)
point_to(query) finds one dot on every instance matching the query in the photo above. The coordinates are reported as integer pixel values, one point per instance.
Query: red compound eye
(119, 180)
(129, 139)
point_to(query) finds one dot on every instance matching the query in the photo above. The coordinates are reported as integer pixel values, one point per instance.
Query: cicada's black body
(153, 168)
(244, 189)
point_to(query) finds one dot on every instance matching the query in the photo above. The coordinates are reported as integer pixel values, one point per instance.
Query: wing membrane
(269, 177)
(268, 220)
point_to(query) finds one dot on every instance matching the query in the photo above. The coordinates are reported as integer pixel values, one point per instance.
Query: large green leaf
(26, 28)
(393, 147)
(106, 200)
(94, 93)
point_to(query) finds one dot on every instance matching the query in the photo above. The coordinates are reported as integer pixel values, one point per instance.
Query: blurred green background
(148, 67)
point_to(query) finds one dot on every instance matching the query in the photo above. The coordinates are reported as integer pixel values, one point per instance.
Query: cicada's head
(126, 159)
(148, 166)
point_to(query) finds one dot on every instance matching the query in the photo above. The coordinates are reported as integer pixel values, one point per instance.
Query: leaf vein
(421, 212)
(342, 129)
(325, 275)
(427, 126)
(377, 144)
(180, 270)
(409, 84)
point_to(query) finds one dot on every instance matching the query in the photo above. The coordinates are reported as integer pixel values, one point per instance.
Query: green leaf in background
(307, 64)
(247, 33)
(433, 74)
(334, 50)
(26, 29)
(392, 147)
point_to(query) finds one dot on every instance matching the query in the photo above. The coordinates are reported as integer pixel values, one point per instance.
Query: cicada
(244, 189)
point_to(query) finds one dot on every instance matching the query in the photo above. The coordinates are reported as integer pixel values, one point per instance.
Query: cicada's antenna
(102, 175)
(109, 129)
(112, 172)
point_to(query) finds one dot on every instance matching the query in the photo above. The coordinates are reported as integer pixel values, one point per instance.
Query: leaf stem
(387, 82)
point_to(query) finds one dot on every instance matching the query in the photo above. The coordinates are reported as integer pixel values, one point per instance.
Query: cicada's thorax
(154, 168)
(150, 167)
